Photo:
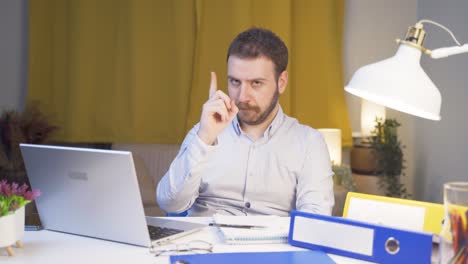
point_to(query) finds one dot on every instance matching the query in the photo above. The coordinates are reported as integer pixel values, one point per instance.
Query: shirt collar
(236, 126)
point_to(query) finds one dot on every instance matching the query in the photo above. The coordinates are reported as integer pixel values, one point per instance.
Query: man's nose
(244, 93)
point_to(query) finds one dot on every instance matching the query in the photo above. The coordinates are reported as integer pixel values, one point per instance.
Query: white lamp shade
(369, 112)
(398, 83)
(332, 137)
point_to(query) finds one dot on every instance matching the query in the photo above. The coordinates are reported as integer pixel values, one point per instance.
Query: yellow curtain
(138, 70)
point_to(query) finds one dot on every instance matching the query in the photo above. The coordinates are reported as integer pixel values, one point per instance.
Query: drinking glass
(454, 235)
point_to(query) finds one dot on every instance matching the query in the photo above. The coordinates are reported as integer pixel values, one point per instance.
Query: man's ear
(282, 81)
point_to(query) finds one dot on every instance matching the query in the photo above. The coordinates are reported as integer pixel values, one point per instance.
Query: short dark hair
(258, 42)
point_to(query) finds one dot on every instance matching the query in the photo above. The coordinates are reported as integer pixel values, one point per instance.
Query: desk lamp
(400, 82)
(332, 138)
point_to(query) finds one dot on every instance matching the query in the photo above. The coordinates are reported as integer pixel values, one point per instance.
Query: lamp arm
(441, 26)
(448, 51)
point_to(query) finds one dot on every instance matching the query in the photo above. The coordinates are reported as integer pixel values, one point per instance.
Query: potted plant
(344, 177)
(343, 183)
(389, 154)
(28, 126)
(13, 198)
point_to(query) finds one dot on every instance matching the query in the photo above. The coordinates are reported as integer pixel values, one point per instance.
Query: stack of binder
(333, 235)
(359, 240)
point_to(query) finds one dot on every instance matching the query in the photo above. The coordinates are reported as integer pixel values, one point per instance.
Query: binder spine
(359, 240)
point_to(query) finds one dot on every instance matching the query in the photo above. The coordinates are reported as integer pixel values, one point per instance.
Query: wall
(371, 27)
(441, 147)
(13, 53)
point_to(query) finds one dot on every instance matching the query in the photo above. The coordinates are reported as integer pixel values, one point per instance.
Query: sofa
(153, 160)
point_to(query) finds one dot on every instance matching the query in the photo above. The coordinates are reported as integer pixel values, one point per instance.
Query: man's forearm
(315, 182)
(317, 201)
(178, 189)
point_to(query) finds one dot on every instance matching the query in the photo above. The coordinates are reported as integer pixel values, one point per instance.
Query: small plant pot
(12, 230)
(8, 230)
(368, 184)
(363, 160)
(19, 221)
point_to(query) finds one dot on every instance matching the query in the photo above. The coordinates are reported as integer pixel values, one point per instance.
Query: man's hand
(217, 113)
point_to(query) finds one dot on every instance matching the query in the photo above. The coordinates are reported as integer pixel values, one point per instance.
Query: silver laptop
(94, 193)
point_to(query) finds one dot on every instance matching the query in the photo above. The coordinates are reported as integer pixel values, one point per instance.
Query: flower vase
(12, 230)
(19, 222)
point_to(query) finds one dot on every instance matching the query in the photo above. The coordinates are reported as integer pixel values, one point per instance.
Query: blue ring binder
(358, 240)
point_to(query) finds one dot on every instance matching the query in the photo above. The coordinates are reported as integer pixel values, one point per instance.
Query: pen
(238, 226)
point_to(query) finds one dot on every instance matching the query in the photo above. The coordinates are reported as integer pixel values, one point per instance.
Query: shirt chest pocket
(275, 176)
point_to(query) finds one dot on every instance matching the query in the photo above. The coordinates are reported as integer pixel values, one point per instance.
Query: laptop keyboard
(157, 232)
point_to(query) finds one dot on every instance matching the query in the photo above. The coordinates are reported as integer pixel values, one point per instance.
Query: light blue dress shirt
(288, 168)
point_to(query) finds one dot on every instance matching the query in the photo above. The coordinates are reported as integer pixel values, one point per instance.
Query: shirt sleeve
(314, 191)
(178, 188)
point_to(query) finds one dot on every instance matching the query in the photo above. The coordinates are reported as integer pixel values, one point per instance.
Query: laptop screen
(88, 192)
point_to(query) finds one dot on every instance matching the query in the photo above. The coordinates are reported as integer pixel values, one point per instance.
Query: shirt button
(247, 204)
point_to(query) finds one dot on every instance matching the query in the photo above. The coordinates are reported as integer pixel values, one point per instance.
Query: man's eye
(234, 82)
(256, 83)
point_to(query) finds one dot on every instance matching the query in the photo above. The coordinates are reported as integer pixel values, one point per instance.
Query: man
(245, 156)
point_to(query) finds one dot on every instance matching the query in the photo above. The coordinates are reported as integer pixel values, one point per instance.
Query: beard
(258, 117)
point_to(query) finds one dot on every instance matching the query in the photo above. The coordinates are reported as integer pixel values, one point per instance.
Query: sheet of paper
(388, 214)
(276, 229)
(261, 220)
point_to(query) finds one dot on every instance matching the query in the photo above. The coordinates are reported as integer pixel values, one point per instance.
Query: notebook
(292, 257)
(269, 229)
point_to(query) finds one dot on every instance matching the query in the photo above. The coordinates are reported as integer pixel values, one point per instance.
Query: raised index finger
(213, 84)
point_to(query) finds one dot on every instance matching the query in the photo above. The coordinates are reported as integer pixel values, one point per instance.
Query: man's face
(254, 88)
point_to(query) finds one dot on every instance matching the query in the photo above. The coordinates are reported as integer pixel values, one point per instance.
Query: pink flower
(31, 195)
(14, 188)
(13, 197)
(22, 190)
(2, 184)
(5, 189)
(8, 190)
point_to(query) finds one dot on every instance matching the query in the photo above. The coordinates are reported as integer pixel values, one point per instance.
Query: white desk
(52, 247)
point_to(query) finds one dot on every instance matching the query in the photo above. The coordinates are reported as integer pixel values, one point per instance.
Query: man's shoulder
(295, 128)
(300, 137)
